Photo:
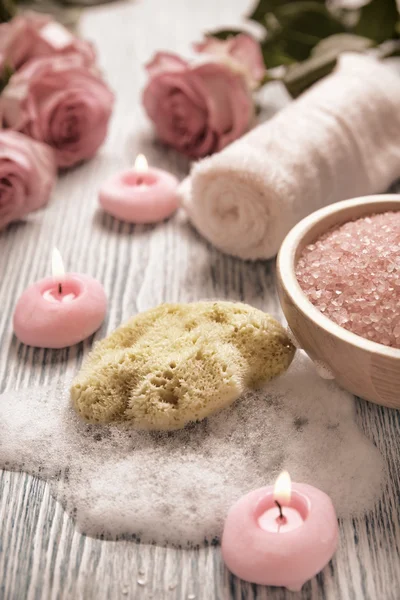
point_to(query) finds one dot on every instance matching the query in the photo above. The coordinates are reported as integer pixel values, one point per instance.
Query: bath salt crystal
(176, 487)
(357, 282)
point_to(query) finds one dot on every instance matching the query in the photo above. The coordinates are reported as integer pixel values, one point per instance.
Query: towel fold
(340, 139)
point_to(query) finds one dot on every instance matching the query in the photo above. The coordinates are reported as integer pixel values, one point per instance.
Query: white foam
(177, 487)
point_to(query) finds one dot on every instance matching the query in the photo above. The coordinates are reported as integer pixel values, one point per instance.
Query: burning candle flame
(57, 265)
(283, 488)
(141, 163)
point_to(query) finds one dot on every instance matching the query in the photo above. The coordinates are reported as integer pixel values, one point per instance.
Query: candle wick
(280, 509)
(60, 288)
(139, 181)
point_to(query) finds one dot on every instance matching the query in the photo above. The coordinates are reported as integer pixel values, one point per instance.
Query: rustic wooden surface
(41, 555)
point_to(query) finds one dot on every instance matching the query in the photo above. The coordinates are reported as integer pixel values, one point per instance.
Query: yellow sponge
(179, 363)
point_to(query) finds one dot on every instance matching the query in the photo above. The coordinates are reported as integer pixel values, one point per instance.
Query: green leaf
(301, 27)
(301, 76)
(378, 20)
(389, 48)
(223, 34)
(274, 54)
(263, 7)
(268, 78)
(7, 10)
(67, 16)
(342, 42)
(304, 25)
(323, 59)
(294, 28)
(5, 76)
(83, 3)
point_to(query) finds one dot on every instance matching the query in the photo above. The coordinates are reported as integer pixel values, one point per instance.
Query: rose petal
(49, 97)
(77, 130)
(216, 88)
(56, 35)
(246, 50)
(164, 62)
(27, 174)
(230, 105)
(205, 144)
(199, 110)
(31, 36)
(176, 108)
(242, 50)
(12, 200)
(187, 122)
(211, 45)
(5, 192)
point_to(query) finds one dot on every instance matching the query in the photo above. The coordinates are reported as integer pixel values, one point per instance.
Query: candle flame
(57, 265)
(283, 488)
(141, 163)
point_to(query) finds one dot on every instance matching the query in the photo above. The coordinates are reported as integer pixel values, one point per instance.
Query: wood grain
(42, 556)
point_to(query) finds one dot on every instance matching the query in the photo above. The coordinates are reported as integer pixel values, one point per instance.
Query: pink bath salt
(352, 275)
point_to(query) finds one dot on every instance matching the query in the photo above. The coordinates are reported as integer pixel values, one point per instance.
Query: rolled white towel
(340, 139)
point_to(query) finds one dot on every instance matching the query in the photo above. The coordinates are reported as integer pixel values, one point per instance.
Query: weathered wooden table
(41, 555)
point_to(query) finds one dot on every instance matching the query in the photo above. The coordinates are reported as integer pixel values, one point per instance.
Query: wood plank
(42, 556)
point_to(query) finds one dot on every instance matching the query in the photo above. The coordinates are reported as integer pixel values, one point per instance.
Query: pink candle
(280, 536)
(59, 311)
(141, 194)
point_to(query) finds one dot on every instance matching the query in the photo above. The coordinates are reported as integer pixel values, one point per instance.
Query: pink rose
(35, 36)
(27, 175)
(241, 51)
(61, 102)
(197, 109)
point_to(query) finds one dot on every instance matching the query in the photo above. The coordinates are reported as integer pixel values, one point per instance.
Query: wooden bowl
(365, 368)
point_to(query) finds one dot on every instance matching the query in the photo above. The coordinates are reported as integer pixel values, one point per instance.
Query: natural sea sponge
(179, 363)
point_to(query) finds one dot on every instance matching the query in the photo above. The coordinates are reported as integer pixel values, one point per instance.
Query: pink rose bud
(32, 35)
(61, 102)
(242, 51)
(199, 109)
(27, 176)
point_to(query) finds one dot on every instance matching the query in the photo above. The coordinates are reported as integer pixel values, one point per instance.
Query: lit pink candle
(280, 536)
(141, 194)
(59, 311)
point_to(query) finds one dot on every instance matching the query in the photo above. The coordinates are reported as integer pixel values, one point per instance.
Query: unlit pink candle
(60, 311)
(141, 194)
(280, 545)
